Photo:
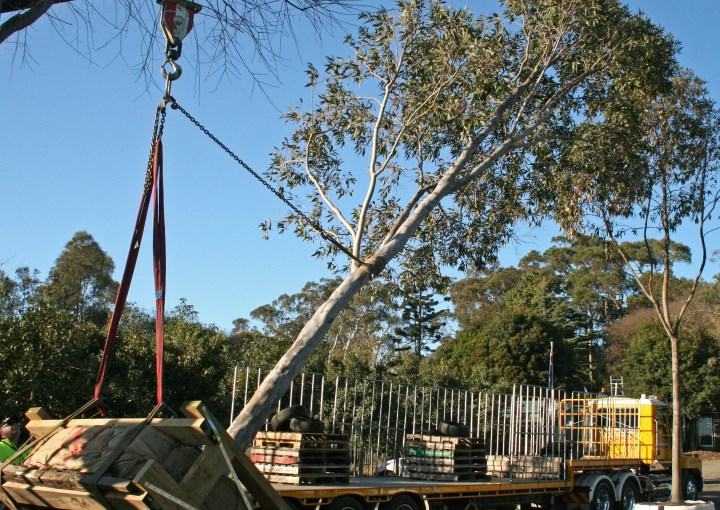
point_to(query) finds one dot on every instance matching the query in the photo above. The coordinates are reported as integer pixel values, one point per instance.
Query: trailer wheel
(345, 503)
(603, 497)
(402, 502)
(691, 486)
(281, 421)
(629, 496)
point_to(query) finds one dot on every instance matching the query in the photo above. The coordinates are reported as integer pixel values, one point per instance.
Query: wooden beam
(167, 494)
(251, 478)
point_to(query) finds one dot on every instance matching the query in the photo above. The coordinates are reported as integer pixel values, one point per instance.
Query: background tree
(421, 323)
(17, 294)
(679, 155)
(81, 279)
(49, 359)
(474, 296)
(50, 353)
(647, 365)
(592, 278)
(358, 343)
(464, 107)
(512, 343)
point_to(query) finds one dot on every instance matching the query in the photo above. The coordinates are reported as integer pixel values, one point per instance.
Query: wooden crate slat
(304, 479)
(297, 458)
(410, 461)
(51, 497)
(202, 471)
(447, 477)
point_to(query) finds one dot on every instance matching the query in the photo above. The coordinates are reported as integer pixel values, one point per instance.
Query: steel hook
(170, 76)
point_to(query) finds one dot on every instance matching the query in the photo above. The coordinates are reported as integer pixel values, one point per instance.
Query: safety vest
(8, 449)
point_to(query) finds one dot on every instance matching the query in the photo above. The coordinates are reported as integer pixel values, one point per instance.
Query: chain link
(313, 224)
(158, 128)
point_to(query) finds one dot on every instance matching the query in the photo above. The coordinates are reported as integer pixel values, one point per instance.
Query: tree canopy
(460, 122)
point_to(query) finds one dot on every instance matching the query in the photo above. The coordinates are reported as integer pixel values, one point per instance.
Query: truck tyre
(691, 487)
(629, 496)
(306, 425)
(453, 429)
(345, 503)
(603, 497)
(281, 421)
(402, 502)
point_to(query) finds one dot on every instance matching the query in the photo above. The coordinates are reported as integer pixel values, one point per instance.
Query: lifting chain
(312, 223)
(158, 129)
(176, 21)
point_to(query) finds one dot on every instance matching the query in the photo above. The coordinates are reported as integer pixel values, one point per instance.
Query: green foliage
(511, 347)
(474, 296)
(647, 367)
(81, 279)
(49, 358)
(17, 294)
(51, 342)
(594, 276)
(421, 323)
(473, 109)
(198, 363)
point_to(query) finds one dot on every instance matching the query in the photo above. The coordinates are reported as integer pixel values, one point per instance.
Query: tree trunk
(676, 495)
(274, 386)
(248, 422)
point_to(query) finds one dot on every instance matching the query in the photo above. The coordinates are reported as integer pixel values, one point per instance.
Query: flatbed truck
(614, 452)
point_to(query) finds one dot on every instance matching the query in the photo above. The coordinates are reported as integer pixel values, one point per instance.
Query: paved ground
(711, 474)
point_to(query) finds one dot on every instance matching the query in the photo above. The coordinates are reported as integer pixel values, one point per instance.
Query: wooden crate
(444, 458)
(300, 458)
(202, 472)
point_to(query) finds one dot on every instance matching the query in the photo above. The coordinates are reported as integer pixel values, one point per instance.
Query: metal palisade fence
(378, 415)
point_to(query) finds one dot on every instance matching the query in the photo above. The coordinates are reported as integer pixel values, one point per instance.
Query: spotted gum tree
(420, 148)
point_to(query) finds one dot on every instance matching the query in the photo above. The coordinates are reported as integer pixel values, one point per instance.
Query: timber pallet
(310, 478)
(70, 467)
(441, 477)
(301, 441)
(444, 443)
(525, 467)
(424, 451)
(430, 457)
(301, 458)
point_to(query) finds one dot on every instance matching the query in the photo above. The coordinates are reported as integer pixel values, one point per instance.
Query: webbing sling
(159, 268)
(153, 187)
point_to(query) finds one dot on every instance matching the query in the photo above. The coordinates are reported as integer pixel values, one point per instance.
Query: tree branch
(26, 18)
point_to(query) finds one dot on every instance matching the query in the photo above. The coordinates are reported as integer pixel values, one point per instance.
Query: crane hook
(171, 75)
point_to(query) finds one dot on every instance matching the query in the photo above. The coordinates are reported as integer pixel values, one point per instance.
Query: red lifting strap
(159, 270)
(159, 267)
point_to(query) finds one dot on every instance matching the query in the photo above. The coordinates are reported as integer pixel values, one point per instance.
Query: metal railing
(377, 415)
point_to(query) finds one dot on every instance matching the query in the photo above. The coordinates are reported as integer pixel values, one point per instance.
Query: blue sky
(74, 140)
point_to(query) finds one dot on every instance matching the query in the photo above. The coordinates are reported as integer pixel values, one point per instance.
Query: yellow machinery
(618, 428)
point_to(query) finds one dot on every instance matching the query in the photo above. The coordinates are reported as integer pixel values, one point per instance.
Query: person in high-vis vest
(10, 431)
